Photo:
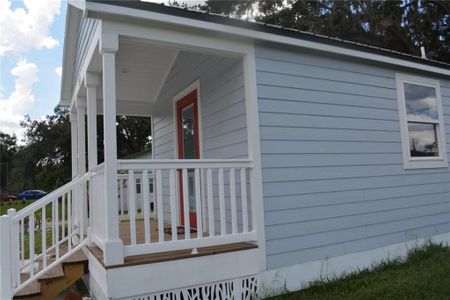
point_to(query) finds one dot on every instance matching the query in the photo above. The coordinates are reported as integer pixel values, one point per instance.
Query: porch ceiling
(141, 70)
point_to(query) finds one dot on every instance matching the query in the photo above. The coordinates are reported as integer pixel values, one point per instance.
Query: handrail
(50, 197)
(143, 164)
(98, 169)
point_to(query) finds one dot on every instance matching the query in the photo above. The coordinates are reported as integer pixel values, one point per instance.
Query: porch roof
(236, 27)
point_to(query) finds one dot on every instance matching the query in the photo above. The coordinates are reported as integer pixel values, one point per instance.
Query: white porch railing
(40, 236)
(214, 191)
(123, 195)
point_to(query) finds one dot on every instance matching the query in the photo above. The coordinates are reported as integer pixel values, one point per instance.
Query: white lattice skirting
(237, 289)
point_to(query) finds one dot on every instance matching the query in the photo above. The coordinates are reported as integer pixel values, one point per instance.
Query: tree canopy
(43, 161)
(397, 25)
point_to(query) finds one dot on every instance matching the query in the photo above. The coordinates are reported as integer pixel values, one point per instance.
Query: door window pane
(188, 129)
(422, 139)
(421, 102)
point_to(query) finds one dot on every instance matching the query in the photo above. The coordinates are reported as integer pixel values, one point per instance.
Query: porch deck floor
(124, 232)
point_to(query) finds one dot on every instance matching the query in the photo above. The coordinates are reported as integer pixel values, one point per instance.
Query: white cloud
(13, 108)
(24, 29)
(58, 71)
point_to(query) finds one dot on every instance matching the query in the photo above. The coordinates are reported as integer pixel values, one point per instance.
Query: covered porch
(200, 188)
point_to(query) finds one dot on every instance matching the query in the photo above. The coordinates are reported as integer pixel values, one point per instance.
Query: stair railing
(41, 235)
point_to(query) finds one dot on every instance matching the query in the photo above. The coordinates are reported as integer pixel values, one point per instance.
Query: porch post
(254, 152)
(113, 252)
(81, 207)
(74, 143)
(91, 82)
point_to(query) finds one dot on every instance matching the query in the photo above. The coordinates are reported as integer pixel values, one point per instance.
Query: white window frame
(420, 162)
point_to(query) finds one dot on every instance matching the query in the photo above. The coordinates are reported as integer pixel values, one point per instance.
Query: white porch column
(81, 207)
(74, 143)
(254, 152)
(113, 252)
(91, 82)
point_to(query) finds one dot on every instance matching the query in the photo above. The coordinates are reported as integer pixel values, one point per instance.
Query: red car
(7, 197)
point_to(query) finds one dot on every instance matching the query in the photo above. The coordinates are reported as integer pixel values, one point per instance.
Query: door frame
(195, 86)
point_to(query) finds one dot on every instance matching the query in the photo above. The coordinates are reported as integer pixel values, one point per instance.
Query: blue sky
(30, 51)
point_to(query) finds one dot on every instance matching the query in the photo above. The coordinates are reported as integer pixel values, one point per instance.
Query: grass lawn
(18, 205)
(424, 275)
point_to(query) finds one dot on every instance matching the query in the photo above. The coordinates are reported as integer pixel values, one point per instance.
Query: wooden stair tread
(56, 273)
(33, 289)
(77, 257)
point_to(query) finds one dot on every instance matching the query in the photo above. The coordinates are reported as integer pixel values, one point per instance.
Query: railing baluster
(244, 201)
(198, 204)
(44, 238)
(63, 220)
(132, 205)
(146, 205)
(211, 226)
(57, 228)
(203, 198)
(69, 220)
(159, 206)
(233, 201)
(31, 242)
(187, 226)
(22, 241)
(173, 204)
(223, 229)
(121, 197)
(53, 223)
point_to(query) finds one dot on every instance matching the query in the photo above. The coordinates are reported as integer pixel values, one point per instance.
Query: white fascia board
(258, 35)
(70, 40)
(80, 4)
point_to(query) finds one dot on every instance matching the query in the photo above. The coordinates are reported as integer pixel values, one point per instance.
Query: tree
(8, 149)
(44, 161)
(398, 25)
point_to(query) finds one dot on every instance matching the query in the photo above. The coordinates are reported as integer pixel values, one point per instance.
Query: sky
(31, 46)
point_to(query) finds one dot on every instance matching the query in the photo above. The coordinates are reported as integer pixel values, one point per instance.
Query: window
(422, 125)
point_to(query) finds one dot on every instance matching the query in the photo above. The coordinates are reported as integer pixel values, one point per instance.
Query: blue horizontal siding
(333, 176)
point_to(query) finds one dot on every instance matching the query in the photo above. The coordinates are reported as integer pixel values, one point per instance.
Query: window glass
(188, 132)
(422, 139)
(421, 102)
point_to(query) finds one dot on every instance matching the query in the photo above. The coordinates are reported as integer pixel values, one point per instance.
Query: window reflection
(188, 132)
(421, 102)
(422, 139)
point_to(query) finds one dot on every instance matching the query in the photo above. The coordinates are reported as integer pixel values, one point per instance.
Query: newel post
(6, 291)
(113, 252)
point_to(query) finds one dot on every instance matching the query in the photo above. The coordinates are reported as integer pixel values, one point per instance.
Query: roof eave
(289, 37)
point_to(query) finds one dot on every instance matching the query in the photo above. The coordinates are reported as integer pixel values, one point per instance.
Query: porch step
(56, 279)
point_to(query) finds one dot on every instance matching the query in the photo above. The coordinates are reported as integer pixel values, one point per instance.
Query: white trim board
(296, 277)
(258, 35)
(420, 162)
(184, 92)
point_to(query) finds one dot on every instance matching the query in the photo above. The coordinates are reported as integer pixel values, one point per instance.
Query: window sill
(424, 163)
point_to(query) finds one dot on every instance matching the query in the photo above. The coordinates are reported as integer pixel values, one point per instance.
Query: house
(278, 157)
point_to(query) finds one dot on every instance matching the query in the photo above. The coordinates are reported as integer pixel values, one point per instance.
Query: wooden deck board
(124, 231)
(125, 234)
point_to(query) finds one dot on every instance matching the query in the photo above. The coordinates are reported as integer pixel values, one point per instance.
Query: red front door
(188, 148)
